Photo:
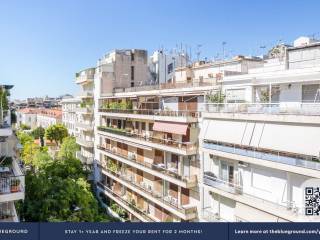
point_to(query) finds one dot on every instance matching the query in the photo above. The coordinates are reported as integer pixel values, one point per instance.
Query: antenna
(198, 51)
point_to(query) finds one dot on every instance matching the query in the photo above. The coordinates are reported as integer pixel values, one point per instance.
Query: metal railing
(154, 112)
(274, 156)
(129, 179)
(285, 108)
(188, 146)
(151, 166)
(121, 199)
(204, 83)
(210, 216)
(10, 184)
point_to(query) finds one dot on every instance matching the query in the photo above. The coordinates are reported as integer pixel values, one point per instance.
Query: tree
(56, 133)
(39, 133)
(68, 148)
(59, 192)
(24, 127)
(25, 138)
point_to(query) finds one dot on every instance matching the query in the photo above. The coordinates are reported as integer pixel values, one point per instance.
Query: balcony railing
(85, 142)
(210, 179)
(8, 212)
(285, 108)
(121, 199)
(154, 112)
(188, 146)
(151, 166)
(274, 156)
(129, 179)
(12, 184)
(209, 215)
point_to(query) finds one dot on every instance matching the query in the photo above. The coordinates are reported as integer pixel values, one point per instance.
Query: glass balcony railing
(274, 156)
(210, 179)
(156, 167)
(127, 203)
(153, 112)
(285, 108)
(187, 146)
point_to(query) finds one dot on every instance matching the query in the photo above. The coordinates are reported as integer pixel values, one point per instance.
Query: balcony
(158, 170)
(209, 82)
(154, 114)
(88, 143)
(186, 212)
(183, 148)
(210, 179)
(86, 126)
(209, 215)
(11, 180)
(274, 156)
(85, 94)
(133, 209)
(85, 76)
(5, 125)
(85, 110)
(283, 108)
(83, 159)
(8, 212)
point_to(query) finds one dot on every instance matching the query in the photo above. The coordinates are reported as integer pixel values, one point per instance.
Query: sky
(44, 43)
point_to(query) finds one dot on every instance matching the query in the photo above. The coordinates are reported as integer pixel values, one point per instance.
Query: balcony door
(227, 173)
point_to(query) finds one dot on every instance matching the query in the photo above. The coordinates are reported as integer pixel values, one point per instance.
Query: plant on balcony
(112, 130)
(112, 166)
(14, 185)
(264, 96)
(217, 97)
(86, 103)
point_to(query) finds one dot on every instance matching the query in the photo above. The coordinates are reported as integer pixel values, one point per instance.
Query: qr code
(312, 201)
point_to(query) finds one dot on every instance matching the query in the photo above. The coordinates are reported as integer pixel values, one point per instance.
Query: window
(132, 56)
(170, 68)
(132, 72)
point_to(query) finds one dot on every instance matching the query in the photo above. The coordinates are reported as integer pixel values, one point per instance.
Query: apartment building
(69, 115)
(260, 152)
(173, 151)
(11, 173)
(146, 149)
(36, 117)
(84, 122)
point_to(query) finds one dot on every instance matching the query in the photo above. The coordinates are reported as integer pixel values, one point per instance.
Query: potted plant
(14, 185)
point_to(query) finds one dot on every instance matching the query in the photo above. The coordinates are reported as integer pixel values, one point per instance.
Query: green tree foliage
(25, 138)
(24, 127)
(56, 133)
(4, 98)
(39, 133)
(68, 148)
(59, 192)
(217, 97)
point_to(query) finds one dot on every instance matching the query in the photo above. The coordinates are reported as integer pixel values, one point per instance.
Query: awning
(168, 127)
(251, 214)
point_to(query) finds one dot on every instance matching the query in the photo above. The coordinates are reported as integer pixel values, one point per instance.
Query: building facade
(231, 140)
(12, 174)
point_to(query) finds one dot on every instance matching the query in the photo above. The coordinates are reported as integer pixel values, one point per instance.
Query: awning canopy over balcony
(251, 214)
(169, 127)
(300, 139)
